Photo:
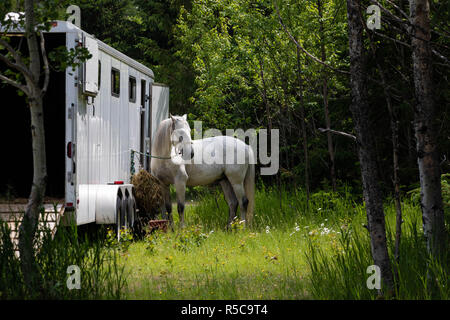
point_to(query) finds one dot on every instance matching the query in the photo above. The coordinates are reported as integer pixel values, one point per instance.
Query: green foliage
(232, 43)
(280, 207)
(247, 74)
(445, 185)
(124, 241)
(151, 241)
(190, 237)
(344, 268)
(109, 21)
(100, 273)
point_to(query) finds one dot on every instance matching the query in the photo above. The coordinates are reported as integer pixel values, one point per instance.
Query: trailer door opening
(16, 173)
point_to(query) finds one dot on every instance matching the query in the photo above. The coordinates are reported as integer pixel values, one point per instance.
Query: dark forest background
(231, 64)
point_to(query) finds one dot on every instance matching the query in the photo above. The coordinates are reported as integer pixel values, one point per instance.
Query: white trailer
(96, 116)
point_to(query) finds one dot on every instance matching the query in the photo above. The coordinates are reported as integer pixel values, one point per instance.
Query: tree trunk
(367, 158)
(31, 217)
(264, 96)
(394, 134)
(425, 130)
(398, 204)
(303, 123)
(325, 98)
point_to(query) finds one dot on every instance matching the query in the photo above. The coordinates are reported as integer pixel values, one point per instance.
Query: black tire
(120, 216)
(132, 218)
(125, 213)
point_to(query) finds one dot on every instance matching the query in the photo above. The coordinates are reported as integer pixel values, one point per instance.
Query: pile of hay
(148, 194)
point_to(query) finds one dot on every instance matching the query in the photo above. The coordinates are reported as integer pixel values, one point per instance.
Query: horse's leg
(167, 205)
(239, 191)
(231, 199)
(180, 187)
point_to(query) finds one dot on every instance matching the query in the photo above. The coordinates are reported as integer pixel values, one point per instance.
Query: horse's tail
(249, 187)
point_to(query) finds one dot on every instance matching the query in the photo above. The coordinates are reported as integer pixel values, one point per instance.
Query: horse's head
(181, 137)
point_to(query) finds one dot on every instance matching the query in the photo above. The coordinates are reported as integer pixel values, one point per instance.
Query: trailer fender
(98, 202)
(86, 208)
(106, 206)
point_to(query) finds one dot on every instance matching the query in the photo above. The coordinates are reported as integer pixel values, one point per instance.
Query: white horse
(178, 160)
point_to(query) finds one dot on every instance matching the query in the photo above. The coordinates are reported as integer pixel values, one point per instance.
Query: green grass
(240, 265)
(292, 252)
(101, 276)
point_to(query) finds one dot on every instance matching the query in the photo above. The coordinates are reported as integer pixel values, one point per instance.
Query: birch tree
(32, 71)
(31, 75)
(425, 128)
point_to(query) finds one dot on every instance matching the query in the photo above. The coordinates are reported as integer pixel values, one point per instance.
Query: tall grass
(279, 207)
(294, 250)
(100, 274)
(337, 261)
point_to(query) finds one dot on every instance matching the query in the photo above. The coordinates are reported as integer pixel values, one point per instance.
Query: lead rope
(132, 169)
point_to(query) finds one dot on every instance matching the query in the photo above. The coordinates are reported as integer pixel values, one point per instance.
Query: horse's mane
(161, 144)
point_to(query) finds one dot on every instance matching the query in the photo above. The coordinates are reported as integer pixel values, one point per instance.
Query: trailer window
(132, 89)
(115, 82)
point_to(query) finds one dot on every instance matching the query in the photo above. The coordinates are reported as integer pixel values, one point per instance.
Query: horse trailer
(99, 121)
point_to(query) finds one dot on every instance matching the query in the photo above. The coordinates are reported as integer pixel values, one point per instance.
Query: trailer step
(49, 220)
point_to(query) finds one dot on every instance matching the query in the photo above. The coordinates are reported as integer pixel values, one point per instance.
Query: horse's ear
(184, 117)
